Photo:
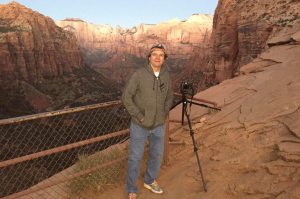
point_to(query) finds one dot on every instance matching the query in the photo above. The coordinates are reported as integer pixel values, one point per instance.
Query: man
(147, 97)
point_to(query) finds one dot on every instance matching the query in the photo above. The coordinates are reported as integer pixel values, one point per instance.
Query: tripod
(185, 102)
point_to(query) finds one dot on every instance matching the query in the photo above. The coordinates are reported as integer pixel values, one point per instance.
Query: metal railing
(60, 153)
(63, 153)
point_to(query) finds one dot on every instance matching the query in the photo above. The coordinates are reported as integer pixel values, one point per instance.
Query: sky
(126, 13)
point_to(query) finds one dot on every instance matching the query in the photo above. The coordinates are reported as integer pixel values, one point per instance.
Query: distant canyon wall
(32, 47)
(177, 35)
(242, 28)
(42, 66)
(118, 51)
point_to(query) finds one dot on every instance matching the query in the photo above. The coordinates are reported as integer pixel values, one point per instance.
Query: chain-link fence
(63, 154)
(59, 154)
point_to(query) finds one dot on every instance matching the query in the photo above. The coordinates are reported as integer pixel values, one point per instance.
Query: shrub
(97, 180)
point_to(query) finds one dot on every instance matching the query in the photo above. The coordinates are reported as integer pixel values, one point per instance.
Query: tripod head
(187, 92)
(187, 89)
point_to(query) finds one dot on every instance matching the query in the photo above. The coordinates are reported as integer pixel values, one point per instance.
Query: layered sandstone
(238, 35)
(32, 47)
(251, 148)
(118, 51)
(41, 65)
(173, 33)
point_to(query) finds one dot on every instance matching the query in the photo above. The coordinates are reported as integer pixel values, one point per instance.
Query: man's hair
(159, 46)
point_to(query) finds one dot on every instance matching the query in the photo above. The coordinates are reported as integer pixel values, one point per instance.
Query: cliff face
(137, 40)
(251, 148)
(119, 51)
(32, 47)
(41, 65)
(239, 34)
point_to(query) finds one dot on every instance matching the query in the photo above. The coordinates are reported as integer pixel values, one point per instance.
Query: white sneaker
(154, 187)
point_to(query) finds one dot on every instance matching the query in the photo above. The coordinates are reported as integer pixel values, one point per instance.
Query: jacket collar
(150, 70)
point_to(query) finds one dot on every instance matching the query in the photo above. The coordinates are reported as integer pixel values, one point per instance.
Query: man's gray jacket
(148, 98)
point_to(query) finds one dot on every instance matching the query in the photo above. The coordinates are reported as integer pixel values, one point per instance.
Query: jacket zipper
(156, 91)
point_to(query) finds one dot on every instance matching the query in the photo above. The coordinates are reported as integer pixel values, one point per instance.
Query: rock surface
(137, 40)
(118, 51)
(32, 47)
(239, 36)
(41, 65)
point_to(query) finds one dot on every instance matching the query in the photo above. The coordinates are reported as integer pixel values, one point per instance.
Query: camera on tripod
(186, 88)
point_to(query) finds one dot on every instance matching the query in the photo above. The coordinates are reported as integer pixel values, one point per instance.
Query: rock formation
(239, 35)
(250, 149)
(137, 40)
(253, 145)
(38, 60)
(33, 47)
(117, 51)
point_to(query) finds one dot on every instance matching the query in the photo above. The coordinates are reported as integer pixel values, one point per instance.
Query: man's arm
(128, 95)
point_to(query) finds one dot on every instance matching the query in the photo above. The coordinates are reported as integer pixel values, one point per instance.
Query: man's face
(157, 58)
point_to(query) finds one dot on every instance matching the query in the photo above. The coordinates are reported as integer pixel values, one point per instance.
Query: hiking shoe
(154, 187)
(132, 196)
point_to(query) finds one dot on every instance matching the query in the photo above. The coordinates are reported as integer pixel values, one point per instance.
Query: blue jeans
(138, 137)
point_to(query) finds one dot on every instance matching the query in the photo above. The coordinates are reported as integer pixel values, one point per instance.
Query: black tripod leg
(198, 161)
(195, 148)
(182, 112)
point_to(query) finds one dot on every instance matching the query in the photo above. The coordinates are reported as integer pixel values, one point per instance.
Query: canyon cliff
(40, 63)
(239, 36)
(117, 52)
(33, 47)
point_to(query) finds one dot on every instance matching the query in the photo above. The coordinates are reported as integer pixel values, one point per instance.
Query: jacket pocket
(148, 119)
(161, 115)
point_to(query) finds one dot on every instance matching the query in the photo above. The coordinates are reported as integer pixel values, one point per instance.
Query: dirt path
(180, 179)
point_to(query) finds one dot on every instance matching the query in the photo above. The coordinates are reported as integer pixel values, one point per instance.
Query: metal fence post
(167, 146)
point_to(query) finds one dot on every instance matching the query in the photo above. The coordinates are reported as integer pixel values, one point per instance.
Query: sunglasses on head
(158, 46)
